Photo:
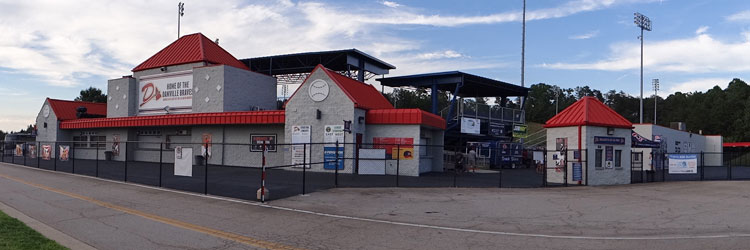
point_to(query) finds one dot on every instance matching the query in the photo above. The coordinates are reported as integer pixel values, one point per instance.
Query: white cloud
(699, 54)
(391, 4)
(701, 30)
(701, 84)
(739, 16)
(588, 35)
(439, 55)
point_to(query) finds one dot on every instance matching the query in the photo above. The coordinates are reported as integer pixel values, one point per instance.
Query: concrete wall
(677, 141)
(248, 89)
(50, 132)
(571, 134)
(337, 107)
(122, 95)
(405, 167)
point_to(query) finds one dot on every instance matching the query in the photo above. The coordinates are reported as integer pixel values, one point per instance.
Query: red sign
(393, 145)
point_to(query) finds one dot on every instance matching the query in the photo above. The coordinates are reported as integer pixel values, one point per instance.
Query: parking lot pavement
(110, 215)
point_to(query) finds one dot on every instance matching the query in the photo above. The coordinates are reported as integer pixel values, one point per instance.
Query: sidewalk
(112, 215)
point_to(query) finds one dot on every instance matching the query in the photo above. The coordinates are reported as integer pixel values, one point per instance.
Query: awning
(638, 141)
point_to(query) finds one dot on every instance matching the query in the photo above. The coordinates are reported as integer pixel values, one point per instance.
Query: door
(636, 167)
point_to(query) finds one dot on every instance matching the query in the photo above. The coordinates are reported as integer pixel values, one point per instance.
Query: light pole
(180, 13)
(655, 82)
(645, 24)
(557, 95)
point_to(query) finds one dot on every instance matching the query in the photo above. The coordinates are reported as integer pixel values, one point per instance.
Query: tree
(92, 95)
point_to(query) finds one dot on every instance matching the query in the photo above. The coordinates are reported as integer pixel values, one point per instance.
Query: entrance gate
(636, 168)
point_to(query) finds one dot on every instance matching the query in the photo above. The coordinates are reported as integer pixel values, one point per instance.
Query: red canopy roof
(189, 49)
(404, 116)
(66, 110)
(364, 95)
(244, 117)
(588, 111)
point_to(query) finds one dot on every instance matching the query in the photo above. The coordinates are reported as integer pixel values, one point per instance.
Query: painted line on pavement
(177, 223)
(417, 225)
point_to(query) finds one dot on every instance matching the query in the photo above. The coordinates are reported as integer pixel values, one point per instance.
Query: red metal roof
(189, 49)
(364, 95)
(588, 111)
(244, 117)
(66, 110)
(737, 144)
(404, 116)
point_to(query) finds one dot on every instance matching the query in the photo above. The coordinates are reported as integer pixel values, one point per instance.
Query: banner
(19, 149)
(64, 153)
(638, 141)
(166, 93)
(46, 152)
(300, 134)
(32, 151)
(519, 131)
(183, 162)
(577, 171)
(115, 145)
(683, 163)
(331, 135)
(470, 125)
(392, 145)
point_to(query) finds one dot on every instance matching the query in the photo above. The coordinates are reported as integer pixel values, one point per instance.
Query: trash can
(108, 155)
(199, 160)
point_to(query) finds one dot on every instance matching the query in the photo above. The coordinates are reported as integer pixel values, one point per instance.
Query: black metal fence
(656, 167)
(240, 170)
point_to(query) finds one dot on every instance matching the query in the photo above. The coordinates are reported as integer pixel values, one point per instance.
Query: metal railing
(492, 113)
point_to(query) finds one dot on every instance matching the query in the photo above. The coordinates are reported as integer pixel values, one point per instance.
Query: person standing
(472, 158)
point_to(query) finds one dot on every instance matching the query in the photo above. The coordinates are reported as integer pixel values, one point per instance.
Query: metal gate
(636, 167)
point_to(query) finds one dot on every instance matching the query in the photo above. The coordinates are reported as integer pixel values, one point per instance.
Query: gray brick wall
(122, 97)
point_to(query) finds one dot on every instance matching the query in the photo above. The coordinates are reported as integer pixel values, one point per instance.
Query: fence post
(38, 148)
(205, 169)
(336, 167)
(263, 174)
(729, 169)
(565, 173)
(24, 148)
(304, 166)
(13, 154)
(97, 159)
(54, 156)
(126, 161)
(71, 156)
(702, 165)
(544, 163)
(587, 163)
(455, 168)
(398, 162)
(663, 167)
(161, 155)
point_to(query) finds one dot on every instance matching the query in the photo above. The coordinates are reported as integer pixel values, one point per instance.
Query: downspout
(580, 156)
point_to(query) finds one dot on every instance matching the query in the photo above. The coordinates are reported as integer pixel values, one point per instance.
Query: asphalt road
(111, 215)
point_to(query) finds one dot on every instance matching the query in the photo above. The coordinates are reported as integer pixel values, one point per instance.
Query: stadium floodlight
(645, 24)
(180, 13)
(655, 83)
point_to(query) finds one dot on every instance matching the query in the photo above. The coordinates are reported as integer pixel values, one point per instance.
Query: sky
(56, 48)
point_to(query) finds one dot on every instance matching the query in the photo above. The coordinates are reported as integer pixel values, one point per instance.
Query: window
(98, 141)
(424, 150)
(80, 141)
(598, 159)
(618, 158)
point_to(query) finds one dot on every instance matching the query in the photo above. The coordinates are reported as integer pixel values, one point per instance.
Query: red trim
(404, 116)
(245, 117)
(737, 144)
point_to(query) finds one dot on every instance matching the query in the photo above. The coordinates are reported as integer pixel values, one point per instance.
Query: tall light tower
(180, 13)
(557, 96)
(645, 24)
(655, 82)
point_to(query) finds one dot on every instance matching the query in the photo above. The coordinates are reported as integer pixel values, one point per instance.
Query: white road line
(571, 237)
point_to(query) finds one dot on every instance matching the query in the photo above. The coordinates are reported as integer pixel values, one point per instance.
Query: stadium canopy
(458, 83)
(293, 68)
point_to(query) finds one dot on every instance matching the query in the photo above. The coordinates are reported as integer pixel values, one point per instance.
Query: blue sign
(609, 140)
(577, 171)
(329, 156)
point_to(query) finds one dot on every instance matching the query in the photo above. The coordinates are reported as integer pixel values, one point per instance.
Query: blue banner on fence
(683, 163)
(329, 156)
(577, 171)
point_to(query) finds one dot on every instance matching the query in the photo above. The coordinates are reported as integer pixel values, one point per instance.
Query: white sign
(183, 161)
(371, 162)
(469, 125)
(300, 134)
(318, 90)
(333, 133)
(683, 164)
(165, 93)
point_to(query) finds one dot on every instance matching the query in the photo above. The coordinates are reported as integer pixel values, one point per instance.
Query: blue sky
(56, 48)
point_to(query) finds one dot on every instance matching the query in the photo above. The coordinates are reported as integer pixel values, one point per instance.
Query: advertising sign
(683, 163)
(333, 133)
(405, 145)
(46, 152)
(165, 93)
(609, 153)
(206, 145)
(300, 134)
(470, 125)
(519, 131)
(609, 140)
(577, 171)
(32, 151)
(497, 130)
(64, 153)
(19, 149)
(257, 141)
(329, 156)
(183, 162)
